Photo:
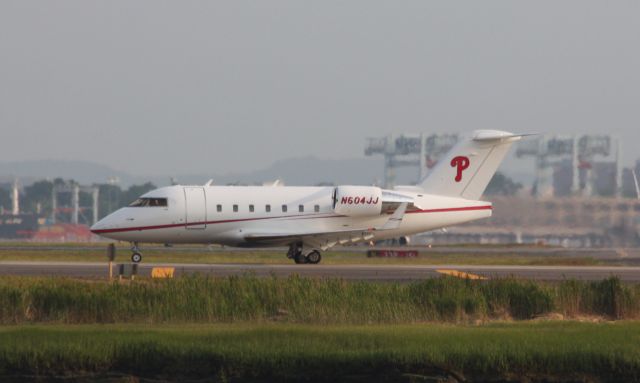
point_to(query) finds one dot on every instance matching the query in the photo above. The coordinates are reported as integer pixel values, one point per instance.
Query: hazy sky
(159, 87)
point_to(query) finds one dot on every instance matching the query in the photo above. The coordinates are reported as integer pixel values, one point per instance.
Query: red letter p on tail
(461, 163)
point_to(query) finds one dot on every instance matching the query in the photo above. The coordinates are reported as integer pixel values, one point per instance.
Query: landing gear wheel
(314, 257)
(136, 257)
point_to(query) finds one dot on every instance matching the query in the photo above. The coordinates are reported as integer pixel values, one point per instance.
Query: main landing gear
(136, 257)
(297, 253)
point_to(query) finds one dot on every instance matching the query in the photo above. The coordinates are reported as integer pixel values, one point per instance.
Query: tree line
(37, 198)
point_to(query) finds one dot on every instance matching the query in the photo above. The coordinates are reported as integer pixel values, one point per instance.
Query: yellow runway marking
(162, 272)
(460, 274)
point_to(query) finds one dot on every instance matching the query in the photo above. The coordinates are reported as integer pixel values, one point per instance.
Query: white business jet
(312, 219)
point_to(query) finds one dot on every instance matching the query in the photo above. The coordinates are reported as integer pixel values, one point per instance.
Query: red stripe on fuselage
(140, 228)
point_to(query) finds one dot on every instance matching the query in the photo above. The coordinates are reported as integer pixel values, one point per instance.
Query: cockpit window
(149, 202)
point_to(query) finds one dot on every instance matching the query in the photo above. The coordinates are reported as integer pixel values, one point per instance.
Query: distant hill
(295, 171)
(85, 172)
(303, 171)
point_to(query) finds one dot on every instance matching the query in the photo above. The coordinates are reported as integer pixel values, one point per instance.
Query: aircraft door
(195, 208)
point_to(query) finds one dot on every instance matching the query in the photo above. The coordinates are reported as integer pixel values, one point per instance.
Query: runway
(400, 273)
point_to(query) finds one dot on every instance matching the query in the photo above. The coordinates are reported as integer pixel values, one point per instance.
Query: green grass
(201, 299)
(96, 252)
(246, 352)
(250, 329)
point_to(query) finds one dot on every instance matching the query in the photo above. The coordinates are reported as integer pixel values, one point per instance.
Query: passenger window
(284, 208)
(301, 208)
(316, 208)
(267, 208)
(251, 209)
(219, 208)
(235, 208)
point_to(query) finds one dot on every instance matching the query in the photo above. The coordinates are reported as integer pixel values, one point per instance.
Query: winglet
(396, 218)
(275, 183)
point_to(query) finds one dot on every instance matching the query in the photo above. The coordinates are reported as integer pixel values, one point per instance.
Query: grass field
(201, 299)
(201, 254)
(250, 329)
(542, 351)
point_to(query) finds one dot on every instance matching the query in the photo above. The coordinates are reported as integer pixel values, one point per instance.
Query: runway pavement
(598, 253)
(350, 272)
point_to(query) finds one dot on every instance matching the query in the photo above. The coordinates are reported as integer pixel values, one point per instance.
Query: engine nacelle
(357, 201)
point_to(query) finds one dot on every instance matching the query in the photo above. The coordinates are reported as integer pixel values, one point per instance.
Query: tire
(136, 257)
(314, 257)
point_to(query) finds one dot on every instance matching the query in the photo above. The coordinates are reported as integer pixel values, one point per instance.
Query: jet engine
(357, 201)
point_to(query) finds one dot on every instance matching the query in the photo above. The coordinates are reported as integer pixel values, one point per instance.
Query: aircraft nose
(96, 227)
(106, 223)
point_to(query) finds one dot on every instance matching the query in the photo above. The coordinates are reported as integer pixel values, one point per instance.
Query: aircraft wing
(321, 240)
(326, 239)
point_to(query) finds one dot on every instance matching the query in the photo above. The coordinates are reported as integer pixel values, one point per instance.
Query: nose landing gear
(136, 257)
(296, 252)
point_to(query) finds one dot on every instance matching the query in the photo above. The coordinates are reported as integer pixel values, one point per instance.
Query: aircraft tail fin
(467, 169)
